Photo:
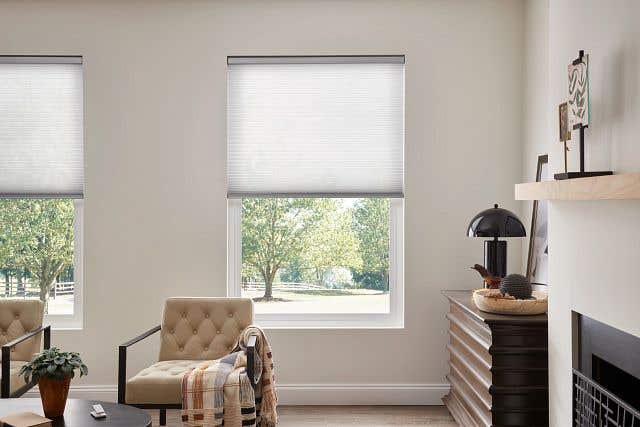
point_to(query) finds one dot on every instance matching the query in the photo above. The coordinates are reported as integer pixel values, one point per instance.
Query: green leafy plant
(53, 363)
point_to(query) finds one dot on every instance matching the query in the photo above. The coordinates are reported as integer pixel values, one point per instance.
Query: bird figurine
(490, 280)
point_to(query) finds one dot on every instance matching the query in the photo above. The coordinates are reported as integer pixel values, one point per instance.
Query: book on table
(24, 419)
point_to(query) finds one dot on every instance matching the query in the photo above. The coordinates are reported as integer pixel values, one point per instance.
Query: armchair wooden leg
(47, 337)
(122, 373)
(4, 382)
(163, 417)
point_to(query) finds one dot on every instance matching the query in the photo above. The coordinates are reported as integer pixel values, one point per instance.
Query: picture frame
(578, 102)
(564, 130)
(538, 256)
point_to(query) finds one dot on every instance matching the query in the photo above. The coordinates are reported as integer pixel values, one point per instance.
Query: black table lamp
(496, 222)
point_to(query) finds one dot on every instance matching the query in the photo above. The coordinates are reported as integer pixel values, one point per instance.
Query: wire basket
(594, 406)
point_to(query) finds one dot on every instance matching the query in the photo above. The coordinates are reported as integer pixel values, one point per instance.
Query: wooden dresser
(497, 366)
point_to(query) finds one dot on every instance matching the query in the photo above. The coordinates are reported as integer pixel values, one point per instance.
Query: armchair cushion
(202, 328)
(161, 383)
(17, 317)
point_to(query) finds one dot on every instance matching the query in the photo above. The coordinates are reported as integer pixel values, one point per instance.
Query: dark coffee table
(77, 414)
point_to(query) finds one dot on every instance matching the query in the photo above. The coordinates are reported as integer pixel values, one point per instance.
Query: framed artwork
(579, 92)
(538, 258)
(564, 130)
(563, 120)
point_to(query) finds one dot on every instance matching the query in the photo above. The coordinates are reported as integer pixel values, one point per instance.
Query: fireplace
(606, 382)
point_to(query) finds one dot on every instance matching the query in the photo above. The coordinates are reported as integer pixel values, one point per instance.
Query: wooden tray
(526, 307)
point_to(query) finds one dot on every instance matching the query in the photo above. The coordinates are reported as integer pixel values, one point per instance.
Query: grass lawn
(322, 301)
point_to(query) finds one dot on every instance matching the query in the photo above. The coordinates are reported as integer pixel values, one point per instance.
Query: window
(42, 183)
(315, 189)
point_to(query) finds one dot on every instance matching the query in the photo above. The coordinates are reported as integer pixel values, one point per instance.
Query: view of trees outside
(298, 254)
(36, 251)
(316, 254)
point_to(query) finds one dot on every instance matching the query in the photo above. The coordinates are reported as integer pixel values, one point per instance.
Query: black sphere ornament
(517, 286)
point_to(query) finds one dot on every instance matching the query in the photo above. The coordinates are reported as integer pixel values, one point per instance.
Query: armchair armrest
(122, 361)
(251, 353)
(5, 386)
(141, 337)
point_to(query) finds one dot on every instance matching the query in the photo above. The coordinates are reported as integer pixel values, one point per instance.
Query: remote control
(98, 415)
(98, 412)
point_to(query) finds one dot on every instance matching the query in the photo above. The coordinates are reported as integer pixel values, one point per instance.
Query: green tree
(8, 263)
(274, 232)
(333, 242)
(371, 225)
(294, 271)
(37, 235)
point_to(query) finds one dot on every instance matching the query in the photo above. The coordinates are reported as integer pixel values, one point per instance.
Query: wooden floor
(334, 416)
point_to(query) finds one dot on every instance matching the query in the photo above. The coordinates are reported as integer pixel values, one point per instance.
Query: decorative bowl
(492, 301)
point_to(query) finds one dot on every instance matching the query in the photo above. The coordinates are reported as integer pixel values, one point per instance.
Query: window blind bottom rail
(40, 59)
(316, 59)
(41, 195)
(250, 195)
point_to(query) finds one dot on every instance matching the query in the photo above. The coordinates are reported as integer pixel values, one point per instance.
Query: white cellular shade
(41, 130)
(316, 128)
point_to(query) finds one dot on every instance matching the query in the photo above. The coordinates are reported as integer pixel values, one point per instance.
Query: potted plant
(53, 369)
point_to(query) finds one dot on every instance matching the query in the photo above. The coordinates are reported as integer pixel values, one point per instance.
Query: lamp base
(495, 257)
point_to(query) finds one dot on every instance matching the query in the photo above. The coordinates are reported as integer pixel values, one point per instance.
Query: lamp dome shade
(496, 222)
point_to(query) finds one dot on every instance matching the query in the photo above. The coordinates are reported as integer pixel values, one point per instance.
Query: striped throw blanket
(219, 392)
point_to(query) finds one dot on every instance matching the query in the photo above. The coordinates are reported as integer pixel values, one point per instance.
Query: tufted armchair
(20, 328)
(192, 330)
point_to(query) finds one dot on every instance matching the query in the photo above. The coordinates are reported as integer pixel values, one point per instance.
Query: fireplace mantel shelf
(624, 186)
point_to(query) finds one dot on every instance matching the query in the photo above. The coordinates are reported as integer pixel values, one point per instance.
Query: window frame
(75, 320)
(393, 319)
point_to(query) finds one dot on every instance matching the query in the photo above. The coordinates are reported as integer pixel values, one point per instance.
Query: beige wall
(535, 105)
(155, 214)
(594, 246)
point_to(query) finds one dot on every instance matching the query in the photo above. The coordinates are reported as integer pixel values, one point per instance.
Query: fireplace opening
(606, 379)
(617, 381)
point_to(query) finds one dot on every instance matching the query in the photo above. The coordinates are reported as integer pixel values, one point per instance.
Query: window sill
(327, 327)
(328, 321)
(63, 322)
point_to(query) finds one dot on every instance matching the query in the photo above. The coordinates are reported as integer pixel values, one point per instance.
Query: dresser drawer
(474, 408)
(475, 327)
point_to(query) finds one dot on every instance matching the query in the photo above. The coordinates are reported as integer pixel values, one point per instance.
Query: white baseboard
(361, 394)
(310, 394)
(106, 393)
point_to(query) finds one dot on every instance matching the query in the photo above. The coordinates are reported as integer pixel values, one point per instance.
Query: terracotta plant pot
(54, 395)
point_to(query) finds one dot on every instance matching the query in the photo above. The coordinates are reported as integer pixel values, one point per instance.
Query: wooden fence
(26, 289)
(282, 286)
